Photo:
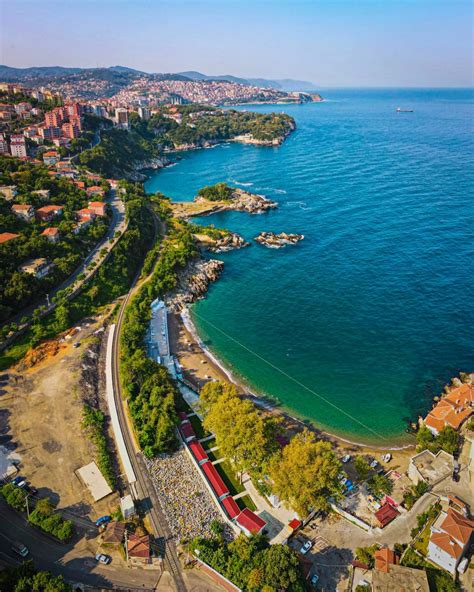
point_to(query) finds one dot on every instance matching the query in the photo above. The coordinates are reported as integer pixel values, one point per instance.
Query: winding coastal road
(144, 485)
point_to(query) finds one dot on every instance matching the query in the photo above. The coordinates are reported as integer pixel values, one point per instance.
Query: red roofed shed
(231, 507)
(250, 523)
(215, 480)
(198, 451)
(386, 514)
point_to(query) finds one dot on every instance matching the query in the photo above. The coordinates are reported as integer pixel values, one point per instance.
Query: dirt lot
(40, 421)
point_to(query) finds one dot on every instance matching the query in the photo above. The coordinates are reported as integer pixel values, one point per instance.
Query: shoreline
(191, 366)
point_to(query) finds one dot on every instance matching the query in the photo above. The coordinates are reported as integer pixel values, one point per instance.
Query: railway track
(145, 487)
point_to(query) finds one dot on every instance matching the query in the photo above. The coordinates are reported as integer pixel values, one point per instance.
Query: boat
(399, 110)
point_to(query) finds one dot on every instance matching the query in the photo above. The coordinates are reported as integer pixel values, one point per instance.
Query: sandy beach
(200, 365)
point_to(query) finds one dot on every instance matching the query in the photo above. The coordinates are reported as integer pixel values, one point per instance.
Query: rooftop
(7, 236)
(433, 467)
(400, 579)
(250, 521)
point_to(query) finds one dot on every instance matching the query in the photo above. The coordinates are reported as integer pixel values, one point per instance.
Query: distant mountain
(120, 75)
(285, 84)
(8, 74)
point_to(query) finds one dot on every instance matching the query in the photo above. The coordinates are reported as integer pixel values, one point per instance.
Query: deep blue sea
(357, 327)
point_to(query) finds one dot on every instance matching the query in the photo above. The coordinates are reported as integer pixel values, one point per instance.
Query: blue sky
(330, 42)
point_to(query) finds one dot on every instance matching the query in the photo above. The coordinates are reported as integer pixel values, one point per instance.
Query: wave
(301, 204)
(241, 183)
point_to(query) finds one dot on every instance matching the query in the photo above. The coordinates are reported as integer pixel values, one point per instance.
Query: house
(95, 191)
(250, 523)
(52, 234)
(114, 533)
(450, 538)
(98, 207)
(48, 213)
(399, 578)
(39, 268)
(384, 558)
(386, 514)
(85, 215)
(24, 211)
(452, 410)
(50, 158)
(8, 192)
(430, 468)
(138, 548)
(43, 194)
(80, 184)
(7, 236)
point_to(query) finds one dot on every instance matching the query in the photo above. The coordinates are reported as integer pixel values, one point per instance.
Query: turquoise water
(358, 326)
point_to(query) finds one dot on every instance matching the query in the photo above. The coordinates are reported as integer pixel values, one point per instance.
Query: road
(144, 485)
(75, 562)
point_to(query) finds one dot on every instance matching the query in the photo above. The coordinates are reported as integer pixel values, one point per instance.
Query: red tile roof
(384, 558)
(386, 514)
(452, 409)
(231, 507)
(50, 231)
(215, 480)
(7, 236)
(457, 526)
(447, 544)
(295, 523)
(198, 451)
(138, 546)
(250, 521)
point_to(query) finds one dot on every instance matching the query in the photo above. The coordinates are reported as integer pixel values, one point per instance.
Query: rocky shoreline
(241, 201)
(277, 241)
(229, 242)
(193, 282)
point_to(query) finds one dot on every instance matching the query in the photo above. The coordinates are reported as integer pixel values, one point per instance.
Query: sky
(328, 42)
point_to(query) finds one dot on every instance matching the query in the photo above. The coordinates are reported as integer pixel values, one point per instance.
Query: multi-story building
(18, 146)
(51, 234)
(48, 213)
(450, 539)
(70, 130)
(8, 192)
(144, 113)
(3, 144)
(50, 132)
(39, 268)
(121, 118)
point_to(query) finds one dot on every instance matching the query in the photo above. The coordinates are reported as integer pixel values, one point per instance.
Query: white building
(18, 146)
(450, 538)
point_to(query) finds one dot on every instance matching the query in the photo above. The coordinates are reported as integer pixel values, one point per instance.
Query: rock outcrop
(193, 282)
(277, 241)
(229, 242)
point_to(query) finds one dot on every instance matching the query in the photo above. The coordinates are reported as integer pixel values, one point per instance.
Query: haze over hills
(46, 73)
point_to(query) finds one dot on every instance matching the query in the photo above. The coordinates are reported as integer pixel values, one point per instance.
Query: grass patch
(421, 543)
(229, 477)
(197, 427)
(246, 502)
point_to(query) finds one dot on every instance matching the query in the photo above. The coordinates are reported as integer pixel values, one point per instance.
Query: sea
(356, 328)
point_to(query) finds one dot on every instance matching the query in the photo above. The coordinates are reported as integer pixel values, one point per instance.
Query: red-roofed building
(48, 213)
(294, 524)
(450, 539)
(98, 207)
(7, 236)
(386, 514)
(384, 558)
(187, 432)
(453, 409)
(52, 234)
(138, 548)
(85, 215)
(231, 507)
(95, 191)
(198, 451)
(215, 480)
(250, 523)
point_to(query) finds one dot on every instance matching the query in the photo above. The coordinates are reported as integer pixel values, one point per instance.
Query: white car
(387, 457)
(374, 464)
(346, 458)
(306, 547)
(20, 549)
(101, 558)
(343, 481)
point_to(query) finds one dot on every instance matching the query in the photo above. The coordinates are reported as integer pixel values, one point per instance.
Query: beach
(199, 365)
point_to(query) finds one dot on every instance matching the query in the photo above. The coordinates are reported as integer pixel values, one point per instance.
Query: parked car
(31, 489)
(374, 464)
(20, 549)
(314, 579)
(19, 481)
(346, 458)
(103, 520)
(306, 547)
(101, 558)
(386, 458)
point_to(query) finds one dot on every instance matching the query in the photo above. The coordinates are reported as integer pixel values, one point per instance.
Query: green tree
(304, 474)
(448, 440)
(362, 467)
(380, 484)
